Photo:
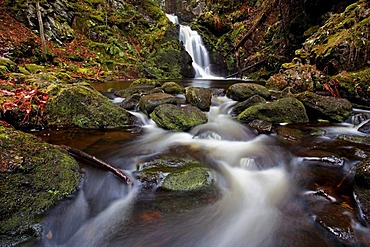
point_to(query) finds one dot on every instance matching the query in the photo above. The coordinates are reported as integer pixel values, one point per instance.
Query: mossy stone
(285, 110)
(34, 175)
(189, 180)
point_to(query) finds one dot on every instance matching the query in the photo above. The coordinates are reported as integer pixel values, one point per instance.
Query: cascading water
(193, 44)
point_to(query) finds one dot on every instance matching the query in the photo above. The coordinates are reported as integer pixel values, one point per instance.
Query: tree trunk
(41, 30)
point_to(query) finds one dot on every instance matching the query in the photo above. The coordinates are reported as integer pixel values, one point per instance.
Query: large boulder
(199, 97)
(172, 88)
(243, 91)
(149, 102)
(81, 105)
(285, 110)
(178, 118)
(34, 175)
(326, 107)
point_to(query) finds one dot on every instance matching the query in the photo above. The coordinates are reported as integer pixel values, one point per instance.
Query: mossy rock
(145, 82)
(188, 180)
(83, 106)
(174, 174)
(33, 68)
(34, 176)
(355, 86)
(3, 71)
(285, 110)
(340, 48)
(149, 102)
(298, 78)
(172, 88)
(325, 107)
(176, 118)
(241, 106)
(199, 97)
(243, 91)
(8, 65)
(365, 140)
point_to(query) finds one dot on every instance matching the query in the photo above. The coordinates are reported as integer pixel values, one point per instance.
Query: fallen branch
(97, 162)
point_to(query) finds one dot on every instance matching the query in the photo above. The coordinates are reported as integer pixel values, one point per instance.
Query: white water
(246, 168)
(193, 44)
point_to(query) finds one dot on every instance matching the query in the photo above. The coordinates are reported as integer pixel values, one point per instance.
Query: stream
(290, 188)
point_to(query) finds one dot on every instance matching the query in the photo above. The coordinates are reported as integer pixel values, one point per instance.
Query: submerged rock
(243, 91)
(326, 107)
(34, 175)
(81, 105)
(178, 118)
(149, 102)
(199, 97)
(286, 110)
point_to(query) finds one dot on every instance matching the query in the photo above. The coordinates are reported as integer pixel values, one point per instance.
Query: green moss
(82, 106)
(30, 169)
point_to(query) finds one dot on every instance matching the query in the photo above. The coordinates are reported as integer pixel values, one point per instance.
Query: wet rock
(365, 128)
(127, 92)
(149, 102)
(81, 105)
(362, 177)
(178, 118)
(299, 78)
(131, 102)
(355, 139)
(286, 110)
(34, 176)
(326, 107)
(175, 174)
(289, 133)
(240, 107)
(243, 91)
(261, 126)
(188, 180)
(199, 97)
(172, 88)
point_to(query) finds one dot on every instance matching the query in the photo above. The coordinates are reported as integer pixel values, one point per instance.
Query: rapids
(262, 196)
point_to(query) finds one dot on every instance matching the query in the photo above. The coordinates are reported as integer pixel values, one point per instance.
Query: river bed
(293, 187)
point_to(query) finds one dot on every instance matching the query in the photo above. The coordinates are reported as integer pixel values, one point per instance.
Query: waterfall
(193, 44)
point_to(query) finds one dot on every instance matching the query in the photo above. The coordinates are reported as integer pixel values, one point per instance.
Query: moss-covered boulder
(343, 41)
(199, 97)
(34, 175)
(325, 107)
(149, 102)
(83, 106)
(241, 106)
(145, 82)
(172, 88)
(354, 86)
(142, 90)
(176, 118)
(8, 65)
(285, 110)
(174, 174)
(243, 91)
(298, 78)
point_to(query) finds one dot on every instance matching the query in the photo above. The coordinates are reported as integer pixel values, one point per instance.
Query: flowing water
(283, 189)
(193, 44)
